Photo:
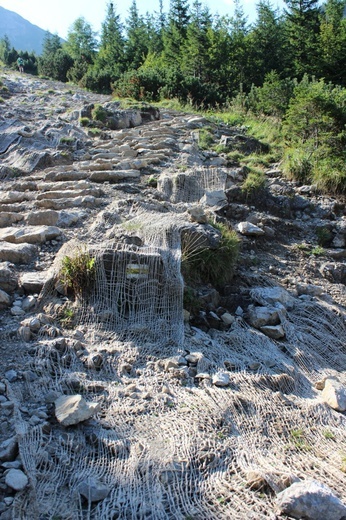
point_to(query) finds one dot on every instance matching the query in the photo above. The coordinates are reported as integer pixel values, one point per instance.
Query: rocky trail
(119, 404)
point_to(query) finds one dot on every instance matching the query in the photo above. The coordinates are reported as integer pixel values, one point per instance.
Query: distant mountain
(23, 35)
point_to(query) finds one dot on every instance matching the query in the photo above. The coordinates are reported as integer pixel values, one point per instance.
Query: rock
(197, 214)
(310, 500)
(227, 318)
(16, 479)
(5, 300)
(69, 218)
(24, 333)
(28, 303)
(17, 253)
(11, 375)
(272, 296)
(273, 331)
(248, 229)
(30, 235)
(8, 278)
(114, 175)
(262, 316)
(334, 394)
(334, 272)
(310, 289)
(32, 283)
(221, 379)
(47, 217)
(73, 409)
(214, 198)
(9, 449)
(93, 490)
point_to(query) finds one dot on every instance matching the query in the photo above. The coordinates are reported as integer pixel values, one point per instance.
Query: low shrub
(215, 266)
(77, 273)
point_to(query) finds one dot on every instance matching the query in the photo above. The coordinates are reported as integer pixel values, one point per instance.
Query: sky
(58, 16)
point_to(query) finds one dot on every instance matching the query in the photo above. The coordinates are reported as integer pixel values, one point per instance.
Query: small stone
(9, 449)
(24, 333)
(93, 490)
(73, 409)
(227, 318)
(248, 229)
(17, 311)
(16, 479)
(15, 464)
(221, 379)
(11, 375)
(273, 331)
(28, 303)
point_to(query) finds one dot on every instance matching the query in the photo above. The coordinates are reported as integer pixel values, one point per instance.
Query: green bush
(315, 132)
(84, 121)
(99, 113)
(77, 273)
(254, 183)
(215, 266)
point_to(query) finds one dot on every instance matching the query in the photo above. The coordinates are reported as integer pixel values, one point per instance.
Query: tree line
(193, 55)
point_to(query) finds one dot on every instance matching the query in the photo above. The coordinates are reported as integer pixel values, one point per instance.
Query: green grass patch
(254, 183)
(77, 272)
(215, 266)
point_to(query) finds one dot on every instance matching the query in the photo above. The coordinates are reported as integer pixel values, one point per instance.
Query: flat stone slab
(32, 283)
(30, 235)
(114, 175)
(17, 253)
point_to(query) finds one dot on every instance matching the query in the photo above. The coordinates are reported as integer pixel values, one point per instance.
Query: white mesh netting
(190, 186)
(165, 443)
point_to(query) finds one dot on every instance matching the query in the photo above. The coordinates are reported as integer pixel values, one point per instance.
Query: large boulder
(310, 500)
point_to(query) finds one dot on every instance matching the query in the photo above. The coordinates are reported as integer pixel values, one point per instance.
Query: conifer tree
(175, 32)
(136, 46)
(266, 41)
(302, 26)
(333, 41)
(195, 46)
(111, 52)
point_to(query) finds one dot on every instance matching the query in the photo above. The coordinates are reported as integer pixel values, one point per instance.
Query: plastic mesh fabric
(176, 449)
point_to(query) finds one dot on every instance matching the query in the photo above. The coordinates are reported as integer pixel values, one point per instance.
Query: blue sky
(57, 16)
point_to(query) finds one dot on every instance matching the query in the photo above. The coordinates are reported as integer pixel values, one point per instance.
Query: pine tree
(240, 49)
(175, 32)
(267, 43)
(302, 26)
(195, 47)
(137, 40)
(333, 41)
(111, 52)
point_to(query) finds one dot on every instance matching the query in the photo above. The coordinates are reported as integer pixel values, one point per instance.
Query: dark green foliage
(215, 266)
(314, 127)
(77, 273)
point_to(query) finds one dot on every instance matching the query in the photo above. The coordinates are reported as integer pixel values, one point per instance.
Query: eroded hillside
(115, 401)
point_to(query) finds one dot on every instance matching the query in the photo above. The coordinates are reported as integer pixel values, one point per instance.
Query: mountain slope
(22, 34)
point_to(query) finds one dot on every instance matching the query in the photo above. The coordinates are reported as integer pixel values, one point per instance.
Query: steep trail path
(189, 422)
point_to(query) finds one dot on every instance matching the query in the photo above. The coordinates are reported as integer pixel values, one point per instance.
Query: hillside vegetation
(287, 66)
